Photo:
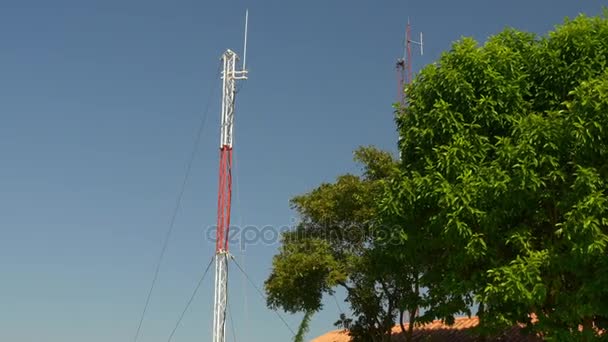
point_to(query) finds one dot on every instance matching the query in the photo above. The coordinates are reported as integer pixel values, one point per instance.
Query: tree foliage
(504, 165)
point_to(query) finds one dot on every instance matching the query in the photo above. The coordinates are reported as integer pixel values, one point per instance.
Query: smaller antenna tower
(404, 64)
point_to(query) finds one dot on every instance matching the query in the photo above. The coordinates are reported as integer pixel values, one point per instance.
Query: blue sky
(99, 106)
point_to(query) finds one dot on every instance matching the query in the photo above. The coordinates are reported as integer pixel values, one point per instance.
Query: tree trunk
(410, 328)
(403, 331)
(588, 332)
(413, 312)
(480, 315)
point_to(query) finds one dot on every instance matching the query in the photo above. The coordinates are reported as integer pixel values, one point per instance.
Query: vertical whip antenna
(245, 42)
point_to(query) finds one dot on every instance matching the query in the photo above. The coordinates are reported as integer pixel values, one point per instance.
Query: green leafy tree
(332, 247)
(503, 180)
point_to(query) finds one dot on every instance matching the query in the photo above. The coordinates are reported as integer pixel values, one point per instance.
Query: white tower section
(229, 76)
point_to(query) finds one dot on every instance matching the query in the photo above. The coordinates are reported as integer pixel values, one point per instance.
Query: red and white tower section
(229, 77)
(404, 64)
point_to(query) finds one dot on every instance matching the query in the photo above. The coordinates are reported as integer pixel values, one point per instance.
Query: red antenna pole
(408, 44)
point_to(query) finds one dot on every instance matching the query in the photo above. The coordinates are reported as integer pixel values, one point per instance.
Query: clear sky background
(99, 106)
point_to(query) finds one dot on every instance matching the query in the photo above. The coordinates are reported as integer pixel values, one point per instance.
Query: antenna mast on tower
(404, 65)
(230, 75)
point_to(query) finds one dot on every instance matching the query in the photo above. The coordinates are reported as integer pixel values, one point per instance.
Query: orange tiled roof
(460, 331)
